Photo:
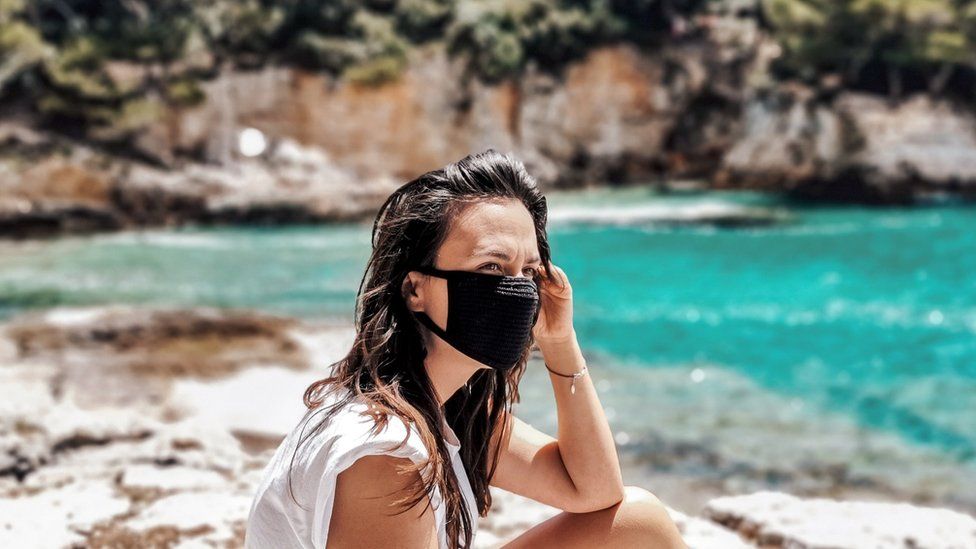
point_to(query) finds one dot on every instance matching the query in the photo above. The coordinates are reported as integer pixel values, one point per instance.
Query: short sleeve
(352, 440)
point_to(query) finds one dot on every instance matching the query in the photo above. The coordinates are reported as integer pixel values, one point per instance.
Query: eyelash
(534, 271)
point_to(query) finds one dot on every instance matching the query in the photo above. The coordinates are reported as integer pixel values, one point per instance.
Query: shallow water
(843, 335)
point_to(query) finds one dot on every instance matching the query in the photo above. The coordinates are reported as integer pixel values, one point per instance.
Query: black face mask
(489, 317)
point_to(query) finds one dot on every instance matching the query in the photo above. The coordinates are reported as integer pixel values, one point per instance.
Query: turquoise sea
(834, 350)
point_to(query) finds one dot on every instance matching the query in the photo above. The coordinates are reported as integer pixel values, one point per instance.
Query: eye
(530, 271)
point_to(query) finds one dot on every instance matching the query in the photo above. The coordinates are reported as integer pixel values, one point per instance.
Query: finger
(552, 285)
(549, 275)
(559, 275)
(542, 276)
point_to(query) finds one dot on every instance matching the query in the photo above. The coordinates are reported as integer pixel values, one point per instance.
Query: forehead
(504, 225)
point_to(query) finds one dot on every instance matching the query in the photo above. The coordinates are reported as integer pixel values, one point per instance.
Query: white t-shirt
(276, 521)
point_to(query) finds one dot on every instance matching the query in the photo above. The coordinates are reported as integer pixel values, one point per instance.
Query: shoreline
(78, 432)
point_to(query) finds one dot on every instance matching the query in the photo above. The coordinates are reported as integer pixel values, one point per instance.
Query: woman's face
(493, 237)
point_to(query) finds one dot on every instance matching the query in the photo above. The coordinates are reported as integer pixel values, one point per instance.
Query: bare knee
(647, 521)
(636, 494)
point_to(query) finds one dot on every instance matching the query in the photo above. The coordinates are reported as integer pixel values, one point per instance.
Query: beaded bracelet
(577, 375)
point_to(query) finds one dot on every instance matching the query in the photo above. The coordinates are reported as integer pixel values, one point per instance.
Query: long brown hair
(386, 363)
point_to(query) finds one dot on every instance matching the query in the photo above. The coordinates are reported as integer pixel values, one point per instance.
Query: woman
(459, 285)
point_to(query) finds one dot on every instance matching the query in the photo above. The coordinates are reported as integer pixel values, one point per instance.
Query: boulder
(774, 519)
(82, 190)
(853, 147)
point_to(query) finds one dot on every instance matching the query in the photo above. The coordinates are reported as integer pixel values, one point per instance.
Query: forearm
(585, 440)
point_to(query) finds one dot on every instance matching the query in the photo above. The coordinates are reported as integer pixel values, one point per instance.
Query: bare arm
(585, 439)
(363, 511)
(579, 471)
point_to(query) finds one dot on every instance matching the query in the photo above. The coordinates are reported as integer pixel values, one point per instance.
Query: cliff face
(701, 106)
(607, 118)
(853, 147)
(336, 149)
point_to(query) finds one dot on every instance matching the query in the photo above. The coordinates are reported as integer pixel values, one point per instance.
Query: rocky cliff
(853, 147)
(700, 106)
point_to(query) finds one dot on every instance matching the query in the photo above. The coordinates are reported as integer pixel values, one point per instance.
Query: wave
(319, 239)
(690, 213)
(881, 314)
(169, 240)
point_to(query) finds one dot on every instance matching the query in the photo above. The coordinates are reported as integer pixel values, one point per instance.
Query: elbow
(587, 503)
(612, 497)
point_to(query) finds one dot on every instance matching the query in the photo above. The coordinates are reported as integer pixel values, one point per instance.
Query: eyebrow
(502, 255)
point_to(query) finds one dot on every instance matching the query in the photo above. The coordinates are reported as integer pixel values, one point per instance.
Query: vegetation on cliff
(107, 68)
(893, 47)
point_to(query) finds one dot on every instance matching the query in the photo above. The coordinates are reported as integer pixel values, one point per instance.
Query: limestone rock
(775, 519)
(855, 147)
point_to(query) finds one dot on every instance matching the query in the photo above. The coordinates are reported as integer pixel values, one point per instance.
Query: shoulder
(355, 432)
(367, 511)
(337, 433)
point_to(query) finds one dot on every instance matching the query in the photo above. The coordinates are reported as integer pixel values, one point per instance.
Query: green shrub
(891, 46)
(376, 71)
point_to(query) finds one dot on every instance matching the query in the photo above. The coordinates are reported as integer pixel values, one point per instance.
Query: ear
(413, 290)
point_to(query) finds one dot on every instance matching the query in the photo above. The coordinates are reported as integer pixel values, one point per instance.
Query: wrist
(580, 370)
(573, 377)
(563, 354)
(557, 342)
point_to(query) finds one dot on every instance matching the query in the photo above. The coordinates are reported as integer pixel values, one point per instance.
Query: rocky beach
(126, 426)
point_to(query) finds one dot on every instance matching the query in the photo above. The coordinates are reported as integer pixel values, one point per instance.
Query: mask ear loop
(422, 316)
(431, 325)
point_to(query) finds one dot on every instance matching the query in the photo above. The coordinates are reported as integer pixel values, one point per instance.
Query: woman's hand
(555, 323)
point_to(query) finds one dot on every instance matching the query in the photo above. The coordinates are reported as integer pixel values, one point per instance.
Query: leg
(640, 520)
